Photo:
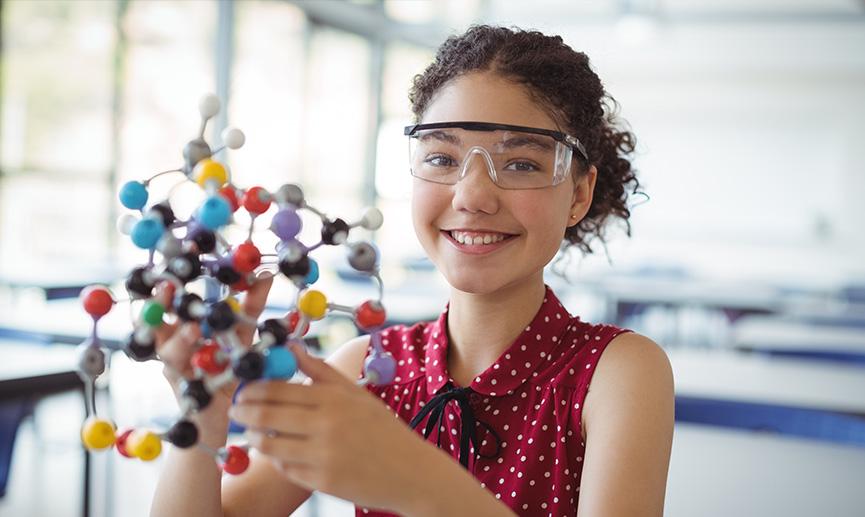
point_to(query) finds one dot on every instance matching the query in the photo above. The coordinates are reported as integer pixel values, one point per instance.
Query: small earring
(573, 216)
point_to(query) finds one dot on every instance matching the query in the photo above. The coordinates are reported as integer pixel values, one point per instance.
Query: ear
(581, 200)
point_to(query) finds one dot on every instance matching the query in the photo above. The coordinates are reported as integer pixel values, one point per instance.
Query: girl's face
(526, 227)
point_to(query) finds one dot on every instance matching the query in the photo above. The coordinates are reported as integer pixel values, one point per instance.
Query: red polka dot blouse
(517, 427)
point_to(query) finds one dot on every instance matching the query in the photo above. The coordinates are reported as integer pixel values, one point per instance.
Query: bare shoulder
(632, 360)
(349, 357)
(632, 369)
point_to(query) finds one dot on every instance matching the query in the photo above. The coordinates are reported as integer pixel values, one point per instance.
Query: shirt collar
(533, 348)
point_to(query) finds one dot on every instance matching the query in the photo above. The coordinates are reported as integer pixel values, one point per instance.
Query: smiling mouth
(478, 238)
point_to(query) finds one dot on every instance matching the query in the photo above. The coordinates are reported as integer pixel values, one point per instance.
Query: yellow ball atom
(313, 304)
(210, 171)
(234, 304)
(144, 445)
(97, 433)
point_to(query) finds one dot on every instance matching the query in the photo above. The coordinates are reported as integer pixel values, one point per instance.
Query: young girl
(517, 407)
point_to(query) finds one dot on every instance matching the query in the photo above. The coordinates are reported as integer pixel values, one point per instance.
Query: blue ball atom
(214, 213)
(279, 363)
(146, 233)
(312, 276)
(133, 195)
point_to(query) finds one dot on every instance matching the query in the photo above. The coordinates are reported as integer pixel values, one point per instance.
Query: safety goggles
(516, 157)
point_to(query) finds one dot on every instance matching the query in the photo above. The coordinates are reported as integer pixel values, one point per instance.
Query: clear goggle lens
(513, 159)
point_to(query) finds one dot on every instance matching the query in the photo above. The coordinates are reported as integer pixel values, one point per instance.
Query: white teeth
(489, 238)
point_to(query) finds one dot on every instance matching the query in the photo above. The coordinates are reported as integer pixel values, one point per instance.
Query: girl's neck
(482, 327)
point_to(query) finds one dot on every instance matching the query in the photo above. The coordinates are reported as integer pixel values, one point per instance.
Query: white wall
(749, 139)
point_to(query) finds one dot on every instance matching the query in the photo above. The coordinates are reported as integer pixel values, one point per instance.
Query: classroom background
(746, 260)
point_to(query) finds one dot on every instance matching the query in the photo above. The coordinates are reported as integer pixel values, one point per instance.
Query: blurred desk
(716, 472)
(57, 280)
(629, 295)
(29, 371)
(63, 321)
(789, 396)
(791, 337)
(743, 377)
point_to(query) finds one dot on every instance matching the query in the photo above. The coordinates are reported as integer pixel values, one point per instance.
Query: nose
(475, 191)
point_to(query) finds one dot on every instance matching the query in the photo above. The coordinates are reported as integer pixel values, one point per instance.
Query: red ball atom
(370, 314)
(210, 358)
(236, 460)
(230, 195)
(246, 257)
(97, 300)
(120, 443)
(292, 319)
(256, 200)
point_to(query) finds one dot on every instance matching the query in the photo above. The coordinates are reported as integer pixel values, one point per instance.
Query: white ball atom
(372, 219)
(208, 105)
(233, 138)
(125, 223)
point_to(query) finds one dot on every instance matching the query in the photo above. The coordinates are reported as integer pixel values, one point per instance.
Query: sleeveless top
(525, 409)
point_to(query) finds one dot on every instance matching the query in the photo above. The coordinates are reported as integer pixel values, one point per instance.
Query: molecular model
(181, 252)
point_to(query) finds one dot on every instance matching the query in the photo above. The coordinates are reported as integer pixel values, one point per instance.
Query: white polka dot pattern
(531, 397)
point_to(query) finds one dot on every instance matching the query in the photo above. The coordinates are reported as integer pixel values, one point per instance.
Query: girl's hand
(332, 436)
(175, 344)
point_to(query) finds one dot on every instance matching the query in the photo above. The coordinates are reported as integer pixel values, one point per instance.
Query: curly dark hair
(563, 82)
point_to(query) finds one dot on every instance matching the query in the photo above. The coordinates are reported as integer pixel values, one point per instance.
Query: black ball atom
(183, 434)
(226, 274)
(205, 240)
(195, 391)
(249, 366)
(221, 316)
(184, 303)
(334, 232)
(275, 329)
(165, 213)
(297, 268)
(138, 350)
(137, 285)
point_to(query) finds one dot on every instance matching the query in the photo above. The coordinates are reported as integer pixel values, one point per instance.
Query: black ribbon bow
(468, 434)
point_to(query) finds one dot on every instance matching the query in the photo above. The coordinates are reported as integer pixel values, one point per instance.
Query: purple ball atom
(380, 368)
(286, 224)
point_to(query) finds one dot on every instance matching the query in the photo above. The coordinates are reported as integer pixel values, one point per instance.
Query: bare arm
(628, 421)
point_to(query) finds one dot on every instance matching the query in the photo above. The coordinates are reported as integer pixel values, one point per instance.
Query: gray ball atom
(363, 257)
(290, 193)
(91, 360)
(169, 245)
(193, 152)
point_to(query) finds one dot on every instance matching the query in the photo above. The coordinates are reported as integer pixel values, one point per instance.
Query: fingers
(295, 451)
(256, 296)
(163, 295)
(176, 351)
(164, 332)
(253, 305)
(279, 392)
(283, 418)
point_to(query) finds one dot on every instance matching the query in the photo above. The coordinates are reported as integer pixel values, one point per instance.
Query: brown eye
(440, 160)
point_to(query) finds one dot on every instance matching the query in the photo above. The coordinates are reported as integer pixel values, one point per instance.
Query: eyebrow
(541, 143)
(441, 135)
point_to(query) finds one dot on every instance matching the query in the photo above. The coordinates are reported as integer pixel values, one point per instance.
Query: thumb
(316, 369)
